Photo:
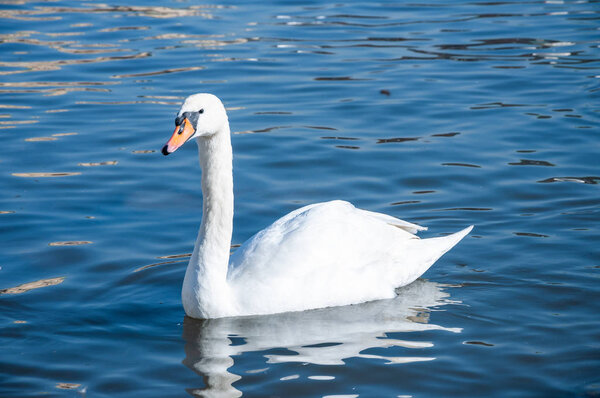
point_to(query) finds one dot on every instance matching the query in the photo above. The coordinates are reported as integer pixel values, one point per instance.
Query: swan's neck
(205, 290)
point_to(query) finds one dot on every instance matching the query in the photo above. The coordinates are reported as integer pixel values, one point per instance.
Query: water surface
(443, 114)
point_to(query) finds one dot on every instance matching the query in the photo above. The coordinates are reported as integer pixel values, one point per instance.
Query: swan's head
(201, 115)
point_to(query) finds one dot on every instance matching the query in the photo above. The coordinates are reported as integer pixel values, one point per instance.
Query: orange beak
(181, 134)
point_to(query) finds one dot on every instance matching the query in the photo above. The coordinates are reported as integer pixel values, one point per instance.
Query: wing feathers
(396, 222)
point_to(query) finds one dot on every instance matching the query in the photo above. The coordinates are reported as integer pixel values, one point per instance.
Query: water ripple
(376, 103)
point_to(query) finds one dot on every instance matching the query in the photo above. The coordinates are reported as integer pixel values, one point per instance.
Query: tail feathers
(445, 243)
(424, 252)
(396, 222)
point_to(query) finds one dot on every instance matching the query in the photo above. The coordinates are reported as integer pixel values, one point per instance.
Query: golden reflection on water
(126, 102)
(61, 34)
(36, 175)
(211, 43)
(70, 243)
(184, 255)
(37, 14)
(160, 72)
(55, 91)
(92, 164)
(63, 46)
(67, 386)
(119, 28)
(156, 264)
(175, 258)
(53, 84)
(63, 134)
(36, 66)
(167, 97)
(19, 121)
(33, 285)
(35, 139)
(14, 106)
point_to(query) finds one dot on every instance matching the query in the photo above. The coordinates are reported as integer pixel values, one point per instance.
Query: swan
(321, 255)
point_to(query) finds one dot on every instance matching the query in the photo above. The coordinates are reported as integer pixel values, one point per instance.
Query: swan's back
(330, 254)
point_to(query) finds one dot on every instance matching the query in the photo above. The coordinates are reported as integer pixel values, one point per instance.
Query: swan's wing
(329, 254)
(396, 222)
(317, 229)
(316, 235)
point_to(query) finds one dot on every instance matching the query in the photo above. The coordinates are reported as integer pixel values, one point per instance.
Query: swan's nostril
(165, 150)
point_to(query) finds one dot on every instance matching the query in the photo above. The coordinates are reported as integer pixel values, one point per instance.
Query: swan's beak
(182, 133)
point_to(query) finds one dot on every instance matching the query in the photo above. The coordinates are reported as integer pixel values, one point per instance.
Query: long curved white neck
(205, 290)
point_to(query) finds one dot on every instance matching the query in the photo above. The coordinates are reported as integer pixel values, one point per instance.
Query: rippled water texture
(442, 113)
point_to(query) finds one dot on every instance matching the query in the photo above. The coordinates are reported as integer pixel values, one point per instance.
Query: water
(443, 114)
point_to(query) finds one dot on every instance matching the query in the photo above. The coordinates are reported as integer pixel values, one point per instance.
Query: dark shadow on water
(326, 336)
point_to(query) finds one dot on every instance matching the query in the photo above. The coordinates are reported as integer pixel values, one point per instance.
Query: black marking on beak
(165, 151)
(192, 117)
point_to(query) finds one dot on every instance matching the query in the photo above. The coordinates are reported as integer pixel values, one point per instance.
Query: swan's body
(321, 255)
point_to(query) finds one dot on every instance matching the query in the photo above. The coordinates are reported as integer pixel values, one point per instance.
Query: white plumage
(321, 255)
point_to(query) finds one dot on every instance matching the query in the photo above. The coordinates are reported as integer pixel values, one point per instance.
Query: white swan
(321, 255)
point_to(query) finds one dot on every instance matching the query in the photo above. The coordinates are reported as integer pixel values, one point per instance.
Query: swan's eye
(201, 111)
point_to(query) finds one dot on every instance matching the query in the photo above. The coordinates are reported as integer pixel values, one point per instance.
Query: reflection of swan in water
(350, 330)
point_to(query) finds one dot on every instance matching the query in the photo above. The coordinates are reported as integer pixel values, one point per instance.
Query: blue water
(441, 113)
